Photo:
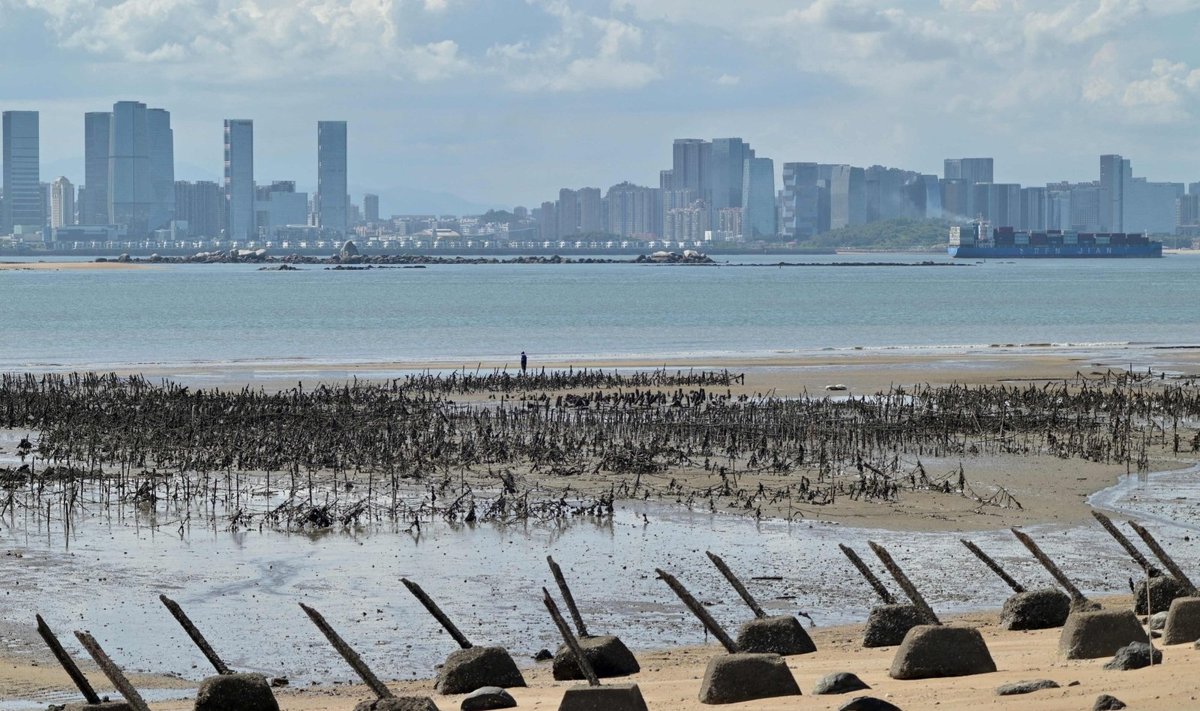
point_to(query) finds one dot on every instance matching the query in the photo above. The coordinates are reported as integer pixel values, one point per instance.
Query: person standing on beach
(524, 362)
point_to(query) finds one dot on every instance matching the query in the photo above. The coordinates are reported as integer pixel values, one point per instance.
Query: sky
(502, 102)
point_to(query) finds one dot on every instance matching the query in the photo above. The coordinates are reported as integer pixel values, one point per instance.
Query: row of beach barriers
(753, 667)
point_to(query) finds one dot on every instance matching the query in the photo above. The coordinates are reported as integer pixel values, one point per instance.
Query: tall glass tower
(332, 194)
(239, 179)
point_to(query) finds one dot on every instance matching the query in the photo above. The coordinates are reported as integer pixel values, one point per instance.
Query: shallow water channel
(241, 588)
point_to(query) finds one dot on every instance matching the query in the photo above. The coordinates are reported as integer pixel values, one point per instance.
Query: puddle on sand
(241, 588)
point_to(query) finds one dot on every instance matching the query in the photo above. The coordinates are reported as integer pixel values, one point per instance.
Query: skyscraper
(590, 210)
(725, 173)
(847, 196)
(1115, 172)
(800, 199)
(758, 195)
(239, 179)
(371, 207)
(332, 197)
(162, 168)
(567, 210)
(62, 203)
(689, 166)
(970, 171)
(200, 204)
(129, 191)
(93, 207)
(23, 203)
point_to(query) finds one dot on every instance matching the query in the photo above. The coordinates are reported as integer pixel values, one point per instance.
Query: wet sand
(862, 372)
(670, 679)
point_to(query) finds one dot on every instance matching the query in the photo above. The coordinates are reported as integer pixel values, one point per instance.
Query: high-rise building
(633, 210)
(1114, 173)
(666, 179)
(758, 199)
(23, 201)
(590, 210)
(129, 189)
(1151, 207)
(956, 198)
(162, 168)
(971, 171)
(333, 198)
(567, 210)
(62, 203)
(279, 206)
(200, 205)
(1034, 209)
(371, 207)
(93, 202)
(239, 180)
(548, 222)
(690, 166)
(726, 166)
(847, 196)
(801, 198)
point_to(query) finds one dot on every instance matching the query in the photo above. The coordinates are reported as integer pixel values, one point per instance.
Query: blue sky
(503, 102)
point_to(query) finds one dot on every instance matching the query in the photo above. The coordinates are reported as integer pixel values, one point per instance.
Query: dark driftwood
(437, 613)
(568, 598)
(1049, 565)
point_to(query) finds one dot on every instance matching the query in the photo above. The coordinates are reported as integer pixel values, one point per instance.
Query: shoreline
(862, 370)
(670, 677)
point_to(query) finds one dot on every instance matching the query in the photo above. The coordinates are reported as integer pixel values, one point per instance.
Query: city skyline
(502, 106)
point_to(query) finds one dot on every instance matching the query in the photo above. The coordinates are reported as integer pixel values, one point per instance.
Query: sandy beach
(1049, 489)
(670, 679)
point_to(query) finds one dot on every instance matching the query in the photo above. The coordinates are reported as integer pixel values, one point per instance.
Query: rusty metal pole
(199, 640)
(437, 613)
(1143, 563)
(698, 610)
(1063, 580)
(904, 583)
(989, 562)
(567, 597)
(584, 665)
(356, 663)
(112, 671)
(737, 584)
(883, 593)
(68, 664)
(1161, 554)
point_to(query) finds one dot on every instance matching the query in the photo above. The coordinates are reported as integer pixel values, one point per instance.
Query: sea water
(189, 315)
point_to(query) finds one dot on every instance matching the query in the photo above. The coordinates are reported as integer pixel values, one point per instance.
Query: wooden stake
(584, 665)
(567, 597)
(199, 640)
(883, 593)
(1162, 555)
(736, 583)
(698, 610)
(437, 613)
(904, 583)
(1049, 565)
(1151, 570)
(112, 671)
(987, 560)
(356, 663)
(68, 664)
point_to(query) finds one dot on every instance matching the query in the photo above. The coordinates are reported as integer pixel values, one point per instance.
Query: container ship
(976, 241)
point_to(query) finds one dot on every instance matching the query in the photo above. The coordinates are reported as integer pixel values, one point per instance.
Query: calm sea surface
(192, 314)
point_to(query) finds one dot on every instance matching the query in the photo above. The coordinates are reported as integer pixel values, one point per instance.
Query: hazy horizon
(504, 103)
